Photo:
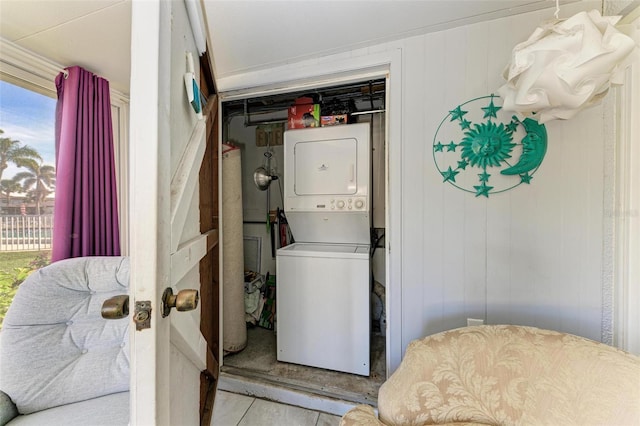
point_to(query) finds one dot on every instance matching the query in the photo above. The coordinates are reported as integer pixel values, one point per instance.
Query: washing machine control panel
(330, 204)
(348, 204)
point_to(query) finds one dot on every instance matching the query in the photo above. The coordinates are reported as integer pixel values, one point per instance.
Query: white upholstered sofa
(61, 363)
(507, 375)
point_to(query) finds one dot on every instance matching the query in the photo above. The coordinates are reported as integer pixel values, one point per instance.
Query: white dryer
(323, 280)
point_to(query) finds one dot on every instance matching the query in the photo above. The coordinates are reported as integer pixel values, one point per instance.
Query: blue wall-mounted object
(481, 149)
(191, 87)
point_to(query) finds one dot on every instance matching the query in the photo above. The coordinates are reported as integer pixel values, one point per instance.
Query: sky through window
(28, 117)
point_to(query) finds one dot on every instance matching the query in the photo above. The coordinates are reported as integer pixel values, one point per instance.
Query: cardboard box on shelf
(304, 114)
(333, 120)
(270, 134)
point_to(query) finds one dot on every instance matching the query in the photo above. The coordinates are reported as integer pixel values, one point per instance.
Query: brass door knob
(184, 300)
(116, 307)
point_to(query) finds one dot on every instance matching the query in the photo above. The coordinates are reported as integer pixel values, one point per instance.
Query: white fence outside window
(25, 232)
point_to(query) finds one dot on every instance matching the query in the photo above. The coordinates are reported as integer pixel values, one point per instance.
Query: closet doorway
(254, 125)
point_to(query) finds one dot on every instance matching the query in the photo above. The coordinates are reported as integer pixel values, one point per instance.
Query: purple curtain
(86, 212)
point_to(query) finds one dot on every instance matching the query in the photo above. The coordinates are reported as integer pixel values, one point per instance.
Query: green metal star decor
(480, 135)
(483, 189)
(491, 110)
(450, 175)
(457, 114)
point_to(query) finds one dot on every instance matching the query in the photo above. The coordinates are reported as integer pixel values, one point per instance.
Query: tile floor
(231, 409)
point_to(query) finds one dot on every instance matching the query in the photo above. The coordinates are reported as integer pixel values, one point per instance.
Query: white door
(167, 146)
(325, 167)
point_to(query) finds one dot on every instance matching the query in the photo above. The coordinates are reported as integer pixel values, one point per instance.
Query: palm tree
(11, 151)
(38, 181)
(7, 187)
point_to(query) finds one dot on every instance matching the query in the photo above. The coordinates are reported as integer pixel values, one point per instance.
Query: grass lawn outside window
(15, 267)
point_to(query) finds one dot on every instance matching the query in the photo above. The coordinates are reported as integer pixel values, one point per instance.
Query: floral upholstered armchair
(507, 375)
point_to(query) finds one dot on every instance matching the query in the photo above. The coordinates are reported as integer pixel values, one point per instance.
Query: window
(27, 88)
(27, 185)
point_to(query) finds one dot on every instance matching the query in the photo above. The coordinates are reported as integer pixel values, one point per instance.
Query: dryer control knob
(359, 204)
(340, 204)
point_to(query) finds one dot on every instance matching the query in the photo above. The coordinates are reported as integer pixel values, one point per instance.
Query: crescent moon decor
(480, 148)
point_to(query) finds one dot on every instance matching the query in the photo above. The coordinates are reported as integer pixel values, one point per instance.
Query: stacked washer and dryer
(324, 277)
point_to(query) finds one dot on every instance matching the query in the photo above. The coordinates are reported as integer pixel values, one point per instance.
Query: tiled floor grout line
(245, 414)
(246, 411)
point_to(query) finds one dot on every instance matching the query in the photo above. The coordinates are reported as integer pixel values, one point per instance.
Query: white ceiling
(94, 34)
(249, 35)
(244, 35)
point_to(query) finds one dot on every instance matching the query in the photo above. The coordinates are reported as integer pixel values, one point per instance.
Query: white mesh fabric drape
(566, 66)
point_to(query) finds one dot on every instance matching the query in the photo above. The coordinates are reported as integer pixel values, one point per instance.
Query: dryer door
(326, 167)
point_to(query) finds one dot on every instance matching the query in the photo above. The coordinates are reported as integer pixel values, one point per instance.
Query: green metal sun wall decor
(487, 140)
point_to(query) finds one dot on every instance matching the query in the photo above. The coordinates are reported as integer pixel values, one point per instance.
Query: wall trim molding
(626, 212)
(27, 69)
(37, 71)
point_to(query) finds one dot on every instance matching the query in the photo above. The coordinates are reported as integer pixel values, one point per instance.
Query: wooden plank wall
(532, 255)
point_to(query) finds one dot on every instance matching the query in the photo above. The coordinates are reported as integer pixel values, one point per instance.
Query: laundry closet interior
(304, 245)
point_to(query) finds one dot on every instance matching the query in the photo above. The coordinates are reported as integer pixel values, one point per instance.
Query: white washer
(322, 294)
(322, 304)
